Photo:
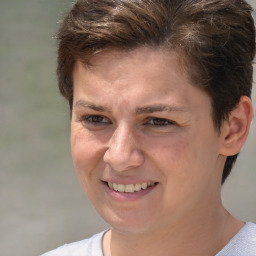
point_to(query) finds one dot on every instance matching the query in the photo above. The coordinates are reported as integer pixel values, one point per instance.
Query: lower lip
(125, 196)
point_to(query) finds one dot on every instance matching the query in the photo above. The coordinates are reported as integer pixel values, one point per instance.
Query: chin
(125, 222)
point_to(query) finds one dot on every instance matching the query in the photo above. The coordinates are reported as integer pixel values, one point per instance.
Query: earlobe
(235, 130)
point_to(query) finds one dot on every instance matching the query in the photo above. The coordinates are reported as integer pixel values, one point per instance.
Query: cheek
(170, 152)
(185, 156)
(86, 151)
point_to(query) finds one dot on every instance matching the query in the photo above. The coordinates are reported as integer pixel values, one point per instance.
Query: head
(215, 41)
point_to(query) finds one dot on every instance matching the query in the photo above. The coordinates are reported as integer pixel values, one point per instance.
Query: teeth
(130, 188)
(110, 185)
(115, 186)
(120, 187)
(144, 185)
(137, 187)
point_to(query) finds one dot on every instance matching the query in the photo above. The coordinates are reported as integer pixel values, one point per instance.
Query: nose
(123, 152)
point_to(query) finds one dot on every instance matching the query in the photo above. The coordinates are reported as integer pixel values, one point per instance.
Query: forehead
(144, 73)
(145, 62)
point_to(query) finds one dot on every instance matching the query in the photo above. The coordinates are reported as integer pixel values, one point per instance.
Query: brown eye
(95, 119)
(159, 122)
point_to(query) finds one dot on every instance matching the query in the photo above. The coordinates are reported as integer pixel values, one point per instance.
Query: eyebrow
(140, 110)
(87, 104)
(160, 108)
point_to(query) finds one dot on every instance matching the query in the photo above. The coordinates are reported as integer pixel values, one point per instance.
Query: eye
(95, 120)
(159, 122)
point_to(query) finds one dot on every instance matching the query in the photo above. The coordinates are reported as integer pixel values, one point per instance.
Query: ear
(235, 130)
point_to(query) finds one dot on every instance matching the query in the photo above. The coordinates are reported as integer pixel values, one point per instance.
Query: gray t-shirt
(242, 244)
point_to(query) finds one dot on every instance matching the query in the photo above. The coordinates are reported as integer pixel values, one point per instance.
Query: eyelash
(98, 120)
(159, 122)
(94, 120)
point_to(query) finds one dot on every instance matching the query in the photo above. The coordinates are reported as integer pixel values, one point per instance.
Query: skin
(137, 118)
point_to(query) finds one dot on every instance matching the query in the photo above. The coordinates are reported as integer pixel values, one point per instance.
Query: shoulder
(86, 247)
(243, 243)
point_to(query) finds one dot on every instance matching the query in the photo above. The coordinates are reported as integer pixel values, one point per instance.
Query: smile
(130, 188)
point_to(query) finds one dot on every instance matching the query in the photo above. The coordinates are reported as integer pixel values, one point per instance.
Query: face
(143, 141)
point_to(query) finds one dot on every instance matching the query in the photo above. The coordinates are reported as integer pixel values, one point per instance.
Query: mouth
(130, 188)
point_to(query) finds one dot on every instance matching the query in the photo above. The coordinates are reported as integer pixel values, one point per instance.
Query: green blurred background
(42, 205)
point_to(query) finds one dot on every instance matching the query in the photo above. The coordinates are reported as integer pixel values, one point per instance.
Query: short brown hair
(215, 39)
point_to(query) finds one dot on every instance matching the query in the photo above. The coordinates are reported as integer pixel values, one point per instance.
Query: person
(159, 93)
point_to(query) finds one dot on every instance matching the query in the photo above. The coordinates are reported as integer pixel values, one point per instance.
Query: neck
(193, 235)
